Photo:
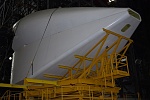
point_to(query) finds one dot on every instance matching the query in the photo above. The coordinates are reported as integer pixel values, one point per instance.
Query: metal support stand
(90, 78)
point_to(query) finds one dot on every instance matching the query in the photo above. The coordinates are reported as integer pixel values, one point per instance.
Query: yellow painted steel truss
(90, 78)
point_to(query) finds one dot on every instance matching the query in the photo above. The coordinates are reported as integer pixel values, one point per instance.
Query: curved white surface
(52, 37)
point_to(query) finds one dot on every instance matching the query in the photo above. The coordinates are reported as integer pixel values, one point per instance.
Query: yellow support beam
(82, 57)
(12, 86)
(52, 76)
(75, 69)
(116, 34)
(85, 58)
(38, 81)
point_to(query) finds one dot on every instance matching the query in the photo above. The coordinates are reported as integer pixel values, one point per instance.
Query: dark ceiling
(139, 53)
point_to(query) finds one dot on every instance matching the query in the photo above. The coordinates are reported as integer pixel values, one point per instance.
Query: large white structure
(48, 38)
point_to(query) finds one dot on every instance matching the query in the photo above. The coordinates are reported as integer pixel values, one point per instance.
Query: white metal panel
(70, 31)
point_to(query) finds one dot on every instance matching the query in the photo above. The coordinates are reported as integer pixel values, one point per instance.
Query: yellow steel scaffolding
(90, 78)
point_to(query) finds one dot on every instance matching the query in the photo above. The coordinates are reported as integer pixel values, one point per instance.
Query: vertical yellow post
(9, 95)
(62, 93)
(26, 95)
(20, 96)
(138, 96)
(89, 93)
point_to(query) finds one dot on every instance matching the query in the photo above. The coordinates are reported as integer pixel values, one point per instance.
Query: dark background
(138, 53)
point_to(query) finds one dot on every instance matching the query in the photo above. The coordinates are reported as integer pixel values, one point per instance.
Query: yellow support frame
(92, 81)
(12, 86)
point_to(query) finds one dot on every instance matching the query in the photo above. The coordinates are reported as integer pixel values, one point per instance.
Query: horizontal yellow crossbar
(71, 68)
(81, 57)
(85, 58)
(38, 81)
(12, 86)
(52, 76)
